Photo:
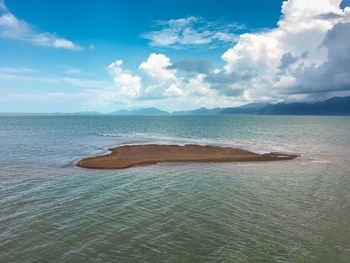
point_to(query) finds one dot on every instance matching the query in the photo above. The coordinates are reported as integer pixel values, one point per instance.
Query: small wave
(320, 161)
(118, 135)
(261, 147)
(72, 161)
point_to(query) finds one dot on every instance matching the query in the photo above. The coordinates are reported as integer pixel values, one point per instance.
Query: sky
(88, 55)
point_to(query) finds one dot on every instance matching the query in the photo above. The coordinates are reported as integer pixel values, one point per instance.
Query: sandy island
(133, 155)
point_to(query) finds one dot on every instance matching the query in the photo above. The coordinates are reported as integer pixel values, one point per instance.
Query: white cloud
(300, 10)
(198, 87)
(291, 62)
(128, 85)
(156, 67)
(173, 91)
(163, 81)
(72, 71)
(160, 86)
(17, 70)
(308, 53)
(192, 31)
(62, 43)
(254, 63)
(14, 28)
(253, 52)
(298, 57)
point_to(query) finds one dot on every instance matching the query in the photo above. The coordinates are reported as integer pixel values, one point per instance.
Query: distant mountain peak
(141, 111)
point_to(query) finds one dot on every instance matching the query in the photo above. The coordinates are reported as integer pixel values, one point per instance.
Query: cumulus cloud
(173, 91)
(163, 81)
(127, 84)
(307, 56)
(14, 28)
(157, 66)
(160, 85)
(333, 75)
(300, 56)
(192, 31)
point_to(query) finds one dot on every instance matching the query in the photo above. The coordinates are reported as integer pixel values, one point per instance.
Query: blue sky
(106, 55)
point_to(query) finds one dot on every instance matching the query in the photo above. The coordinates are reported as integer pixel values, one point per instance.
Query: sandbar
(135, 155)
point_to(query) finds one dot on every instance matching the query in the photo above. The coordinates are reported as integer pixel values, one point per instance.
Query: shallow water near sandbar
(289, 211)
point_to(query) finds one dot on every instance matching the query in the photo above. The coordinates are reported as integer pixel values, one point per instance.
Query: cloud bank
(306, 57)
(301, 56)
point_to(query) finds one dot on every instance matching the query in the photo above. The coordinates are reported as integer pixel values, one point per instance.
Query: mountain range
(333, 106)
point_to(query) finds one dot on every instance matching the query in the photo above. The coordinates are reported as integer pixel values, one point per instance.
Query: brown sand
(128, 156)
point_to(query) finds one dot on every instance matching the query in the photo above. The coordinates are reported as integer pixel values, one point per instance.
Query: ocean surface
(289, 211)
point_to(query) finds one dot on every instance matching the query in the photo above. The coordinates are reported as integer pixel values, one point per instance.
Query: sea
(286, 211)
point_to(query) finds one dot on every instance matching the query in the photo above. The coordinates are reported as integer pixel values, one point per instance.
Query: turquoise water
(292, 211)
